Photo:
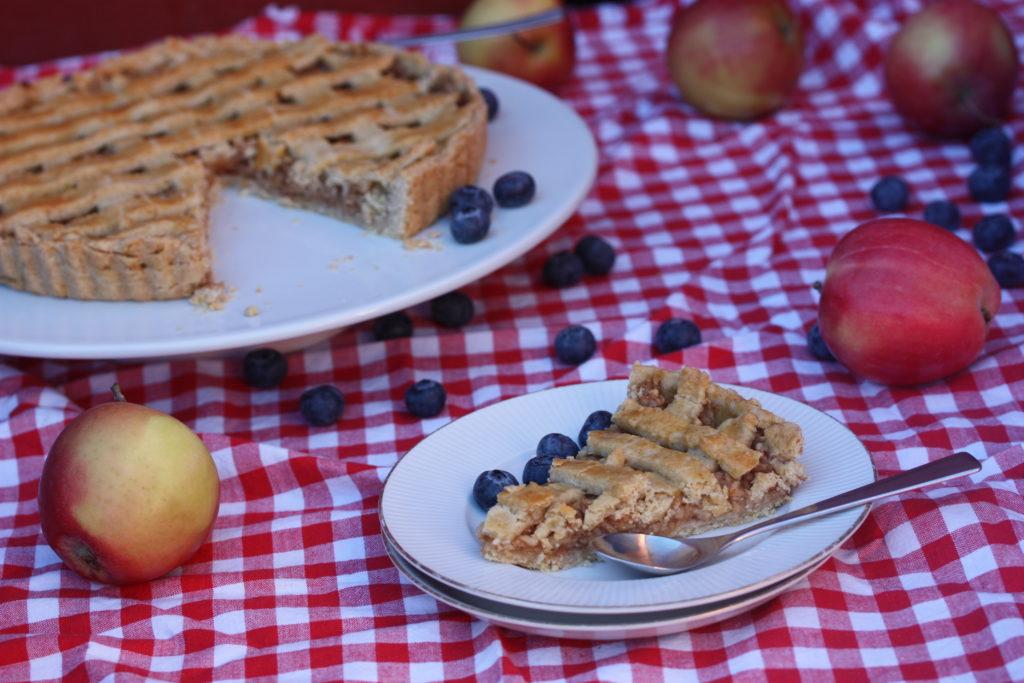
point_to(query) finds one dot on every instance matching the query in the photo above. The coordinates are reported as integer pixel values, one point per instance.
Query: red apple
(905, 302)
(735, 59)
(127, 493)
(544, 55)
(952, 68)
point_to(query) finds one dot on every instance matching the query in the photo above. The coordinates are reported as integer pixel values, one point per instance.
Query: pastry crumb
(259, 290)
(251, 311)
(212, 297)
(335, 263)
(416, 243)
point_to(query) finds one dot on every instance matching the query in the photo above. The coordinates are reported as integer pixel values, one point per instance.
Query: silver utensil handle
(532, 21)
(949, 467)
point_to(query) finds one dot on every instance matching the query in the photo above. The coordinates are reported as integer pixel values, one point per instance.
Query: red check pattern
(723, 223)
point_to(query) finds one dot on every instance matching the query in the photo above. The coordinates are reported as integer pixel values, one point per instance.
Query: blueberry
(990, 183)
(469, 224)
(1008, 269)
(994, 233)
(556, 446)
(816, 345)
(264, 368)
(392, 326)
(489, 484)
(574, 344)
(991, 146)
(492, 102)
(890, 194)
(425, 398)
(321, 405)
(514, 189)
(597, 255)
(537, 469)
(471, 195)
(453, 309)
(599, 419)
(562, 269)
(675, 334)
(943, 214)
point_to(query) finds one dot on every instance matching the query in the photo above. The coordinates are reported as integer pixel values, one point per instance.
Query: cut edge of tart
(683, 456)
(107, 175)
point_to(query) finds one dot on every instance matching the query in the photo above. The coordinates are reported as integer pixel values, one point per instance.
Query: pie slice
(683, 456)
(107, 176)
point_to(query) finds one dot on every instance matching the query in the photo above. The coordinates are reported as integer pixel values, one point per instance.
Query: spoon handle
(951, 466)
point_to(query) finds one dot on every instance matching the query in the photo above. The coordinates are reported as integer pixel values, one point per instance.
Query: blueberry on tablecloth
(993, 233)
(425, 398)
(322, 405)
(816, 345)
(392, 326)
(596, 254)
(1008, 269)
(264, 368)
(562, 269)
(675, 334)
(453, 309)
(990, 183)
(890, 194)
(991, 146)
(575, 344)
(942, 213)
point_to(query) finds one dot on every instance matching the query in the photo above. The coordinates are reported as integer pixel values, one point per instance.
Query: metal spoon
(670, 555)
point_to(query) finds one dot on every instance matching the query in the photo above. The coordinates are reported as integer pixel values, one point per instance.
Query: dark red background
(38, 30)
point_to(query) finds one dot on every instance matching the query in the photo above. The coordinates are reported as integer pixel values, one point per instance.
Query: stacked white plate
(429, 518)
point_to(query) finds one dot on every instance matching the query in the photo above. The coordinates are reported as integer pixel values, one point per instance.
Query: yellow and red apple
(905, 302)
(544, 55)
(127, 493)
(735, 59)
(952, 68)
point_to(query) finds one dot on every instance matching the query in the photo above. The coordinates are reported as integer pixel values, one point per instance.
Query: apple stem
(817, 285)
(115, 389)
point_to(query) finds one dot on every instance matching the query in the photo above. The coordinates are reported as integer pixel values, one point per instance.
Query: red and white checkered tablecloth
(723, 223)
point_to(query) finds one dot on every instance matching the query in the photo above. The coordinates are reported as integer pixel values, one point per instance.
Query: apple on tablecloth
(544, 55)
(905, 302)
(127, 493)
(735, 59)
(952, 68)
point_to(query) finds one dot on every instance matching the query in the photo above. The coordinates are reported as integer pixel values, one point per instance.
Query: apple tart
(107, 176)
(683, 455)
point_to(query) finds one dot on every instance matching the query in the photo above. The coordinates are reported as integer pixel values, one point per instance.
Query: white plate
(310, 274)
(590, 626)
(428, 509)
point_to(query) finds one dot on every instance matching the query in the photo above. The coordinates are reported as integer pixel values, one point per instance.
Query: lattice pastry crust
(684, 455)
(107, 176)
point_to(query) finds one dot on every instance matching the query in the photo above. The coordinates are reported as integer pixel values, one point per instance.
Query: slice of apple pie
(683, 455)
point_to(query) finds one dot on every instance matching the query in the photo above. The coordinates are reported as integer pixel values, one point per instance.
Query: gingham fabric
(722, 223)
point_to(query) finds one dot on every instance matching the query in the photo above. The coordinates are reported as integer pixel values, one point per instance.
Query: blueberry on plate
(453, 309)
(471, 195)
(321, 405)
(942, 213)
(991, 146)
(599, 419)
(489, 484)
(556, 446)
(990, 183)
(889, 194)
(538, 469)
(993, 233)
(574, 344)
(675, 334)
(264, 368)
(513, 189)
(425, 398)
(492, 102)
(562, 269)
(816, 345)
(1008, 269)
(392, 326)
(597, 255)
(469, 223)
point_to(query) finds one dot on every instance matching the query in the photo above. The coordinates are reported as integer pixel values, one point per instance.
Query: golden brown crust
(105, 176)
(689, 456)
